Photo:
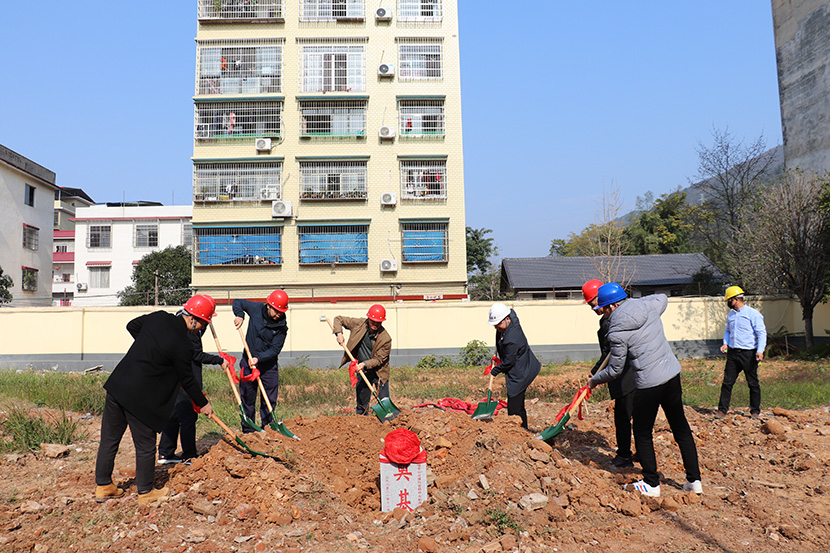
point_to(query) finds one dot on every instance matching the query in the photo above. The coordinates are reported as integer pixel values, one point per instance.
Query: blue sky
(559, 100)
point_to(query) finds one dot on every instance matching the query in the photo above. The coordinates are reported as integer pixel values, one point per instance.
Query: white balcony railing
(239, 10)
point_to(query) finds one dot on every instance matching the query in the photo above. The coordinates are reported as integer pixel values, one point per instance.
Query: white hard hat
(497, 313)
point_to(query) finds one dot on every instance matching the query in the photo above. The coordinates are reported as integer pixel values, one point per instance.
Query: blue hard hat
(610, 293)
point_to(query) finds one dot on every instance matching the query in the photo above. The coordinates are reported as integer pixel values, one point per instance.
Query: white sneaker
(695, 486)
(643, 488)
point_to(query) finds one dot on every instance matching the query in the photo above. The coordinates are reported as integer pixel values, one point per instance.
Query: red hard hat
(278, 300)
(377, 313)
(589, 289)
(201, 306)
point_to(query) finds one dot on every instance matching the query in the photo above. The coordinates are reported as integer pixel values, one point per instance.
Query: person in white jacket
(635, 333)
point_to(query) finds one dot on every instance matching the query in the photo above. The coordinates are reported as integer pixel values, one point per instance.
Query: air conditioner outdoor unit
(281, 209)
(388, 265)
(386, 70)
(82, 287)
(382, 14)
(388, 198)
(386, 132)
(263, 144)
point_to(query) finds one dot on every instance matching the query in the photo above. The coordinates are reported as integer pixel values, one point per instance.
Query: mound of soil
(766, 488)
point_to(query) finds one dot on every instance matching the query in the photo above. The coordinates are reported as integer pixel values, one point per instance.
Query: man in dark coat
(141, 392)
(518, 363)
(266, 334)
(371, 346)
(182, 423)
(621, 390)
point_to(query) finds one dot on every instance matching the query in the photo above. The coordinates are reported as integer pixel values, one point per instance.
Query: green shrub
(25, 432)
(435, 362)
(474, 354)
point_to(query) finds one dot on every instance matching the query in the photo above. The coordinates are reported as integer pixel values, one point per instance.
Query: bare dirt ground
(766, 488)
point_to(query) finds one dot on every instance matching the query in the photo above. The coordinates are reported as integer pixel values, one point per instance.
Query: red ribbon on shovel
(241, 377)
(569, 406)
(494, 362)
(353, 372)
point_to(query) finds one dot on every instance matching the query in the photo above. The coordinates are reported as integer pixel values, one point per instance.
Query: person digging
(142, 390)
(371, 346)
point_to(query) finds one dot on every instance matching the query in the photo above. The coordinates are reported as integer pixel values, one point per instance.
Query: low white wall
(74, 338)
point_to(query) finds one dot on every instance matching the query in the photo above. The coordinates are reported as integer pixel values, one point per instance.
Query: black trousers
(114, 423)
(669, 396)
(738, 360)
(623, 411)
(363, 394)
(248, 393)
(516, 406)
(181, 425)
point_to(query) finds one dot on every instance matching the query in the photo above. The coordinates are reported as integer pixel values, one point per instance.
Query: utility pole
(156, 274)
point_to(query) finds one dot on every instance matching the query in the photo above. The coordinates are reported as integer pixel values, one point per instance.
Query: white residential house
(111, 239)
(26, 214)
(67, 200)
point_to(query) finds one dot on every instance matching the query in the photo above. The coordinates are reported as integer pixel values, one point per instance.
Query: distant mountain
(695, 194)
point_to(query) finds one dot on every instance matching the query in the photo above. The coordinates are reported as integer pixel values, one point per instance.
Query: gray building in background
(802, 50)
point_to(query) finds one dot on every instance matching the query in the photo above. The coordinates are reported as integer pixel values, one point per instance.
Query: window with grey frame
(30, 237)
(99, 236)
(146, 235)
(424, 241)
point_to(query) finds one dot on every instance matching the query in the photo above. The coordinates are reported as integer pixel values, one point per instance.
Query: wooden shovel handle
(227, 371)
(259, 380)
(363, 376)
(223, 425)
(490, 387)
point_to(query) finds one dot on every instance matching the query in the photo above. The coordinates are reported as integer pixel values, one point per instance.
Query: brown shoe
(110, 491)
(720, 414)
(153, 496)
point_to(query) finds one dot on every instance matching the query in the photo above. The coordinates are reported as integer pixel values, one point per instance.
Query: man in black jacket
(621, 390)
(518, 363)
(182, 422)
(142, 389)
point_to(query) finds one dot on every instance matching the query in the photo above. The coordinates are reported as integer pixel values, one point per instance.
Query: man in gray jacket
(635, 333)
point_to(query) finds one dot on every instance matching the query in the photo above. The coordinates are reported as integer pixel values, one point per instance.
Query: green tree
(6, 282)
(664, 227)
(172, 265)
(479, 250)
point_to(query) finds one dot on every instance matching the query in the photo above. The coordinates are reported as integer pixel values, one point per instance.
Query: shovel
(245, 418)
(486, 409)
(567, 412)
(384, 409)
(232, 434)
(274, 424)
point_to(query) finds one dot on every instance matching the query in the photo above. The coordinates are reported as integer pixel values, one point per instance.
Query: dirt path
(766, 488)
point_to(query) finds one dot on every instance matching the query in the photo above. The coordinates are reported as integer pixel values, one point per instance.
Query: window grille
(240, 9)
(99, 236)
(421, 118)
(420, 59)
(29, 195)
(56, 218)
(187, 236)
(331, 10)
(146, 235)
(99, 277)
(424, 242)
(325, 244)
(237, 245)
(30, 237)
(423, 179)
(333, 180)
(28, 279)
(253, 182)
(239, 66)
(420, 10)
(237, 120)
(61, 249)
(332, 65)
(337, 118)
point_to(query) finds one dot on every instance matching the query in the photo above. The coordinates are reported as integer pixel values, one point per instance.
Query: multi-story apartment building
(26, 191)
(110, 239)
(67, 200)
(327, 154)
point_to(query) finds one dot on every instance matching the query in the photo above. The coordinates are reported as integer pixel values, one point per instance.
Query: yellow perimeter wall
(67, 338)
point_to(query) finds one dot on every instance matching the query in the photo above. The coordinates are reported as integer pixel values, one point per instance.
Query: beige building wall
(73, 338)
(345, 282)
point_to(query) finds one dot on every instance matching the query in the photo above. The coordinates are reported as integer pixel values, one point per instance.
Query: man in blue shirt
(744, 342)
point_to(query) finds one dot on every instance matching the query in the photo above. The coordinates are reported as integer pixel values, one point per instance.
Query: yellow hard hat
(733, 291)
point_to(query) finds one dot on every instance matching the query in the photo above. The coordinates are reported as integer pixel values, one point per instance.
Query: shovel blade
(282, 429)
(552, 431)
(248, 421)
(486, 409)
(385, 410)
